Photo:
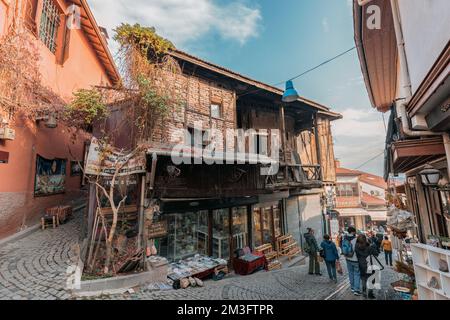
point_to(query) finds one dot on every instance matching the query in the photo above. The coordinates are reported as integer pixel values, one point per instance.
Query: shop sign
(157, 229)
(102, 160)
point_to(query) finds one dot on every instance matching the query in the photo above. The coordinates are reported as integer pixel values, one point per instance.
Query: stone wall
(19, 210)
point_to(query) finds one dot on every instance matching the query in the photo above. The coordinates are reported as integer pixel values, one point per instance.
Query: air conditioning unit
(7, 133)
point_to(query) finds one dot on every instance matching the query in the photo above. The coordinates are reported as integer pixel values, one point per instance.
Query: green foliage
(161, 103)
(145, 39)
(86, 107)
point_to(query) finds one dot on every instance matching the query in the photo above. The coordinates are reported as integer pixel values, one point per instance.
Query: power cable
(305, 72)
(371, 159)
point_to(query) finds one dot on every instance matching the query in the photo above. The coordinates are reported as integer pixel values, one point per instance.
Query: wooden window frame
(218, 104)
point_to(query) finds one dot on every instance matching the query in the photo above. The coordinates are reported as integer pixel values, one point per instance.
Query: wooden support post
(141, 213)
(318, 147)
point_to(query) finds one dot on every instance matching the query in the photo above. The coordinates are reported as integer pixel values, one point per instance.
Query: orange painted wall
(18, 206)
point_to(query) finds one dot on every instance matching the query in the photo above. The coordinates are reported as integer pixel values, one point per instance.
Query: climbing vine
(148, 74)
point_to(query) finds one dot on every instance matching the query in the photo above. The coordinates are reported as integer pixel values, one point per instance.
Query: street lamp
(430, 176)
(290, 95)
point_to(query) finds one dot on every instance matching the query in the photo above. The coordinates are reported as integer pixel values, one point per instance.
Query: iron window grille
(50, 22)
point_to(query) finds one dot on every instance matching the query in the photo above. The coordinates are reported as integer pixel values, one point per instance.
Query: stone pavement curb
(25, 232)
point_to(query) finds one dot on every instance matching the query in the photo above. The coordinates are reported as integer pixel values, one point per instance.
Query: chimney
(104, 32)
(337, 163)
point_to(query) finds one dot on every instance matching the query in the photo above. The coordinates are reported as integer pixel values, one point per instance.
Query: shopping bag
(339, 267)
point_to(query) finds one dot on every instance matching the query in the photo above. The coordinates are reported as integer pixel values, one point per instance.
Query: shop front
(218, 232)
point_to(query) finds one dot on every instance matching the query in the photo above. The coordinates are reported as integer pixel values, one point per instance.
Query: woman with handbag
(330, 254)
(364, 251)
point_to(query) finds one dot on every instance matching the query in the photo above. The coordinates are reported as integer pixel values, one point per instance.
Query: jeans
(354, 275)
(331, 268)
(314, 266)
(388, 257)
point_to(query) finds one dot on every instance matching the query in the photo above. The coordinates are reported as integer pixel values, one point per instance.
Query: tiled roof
(373, 180)
(371, 200)
(260, 85)
(347, 172)
(97, 41)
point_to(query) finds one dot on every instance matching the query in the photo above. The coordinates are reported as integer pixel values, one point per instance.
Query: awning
(378, 215)
(352, 212)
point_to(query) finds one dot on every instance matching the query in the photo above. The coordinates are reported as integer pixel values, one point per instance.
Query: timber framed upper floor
(226, 101)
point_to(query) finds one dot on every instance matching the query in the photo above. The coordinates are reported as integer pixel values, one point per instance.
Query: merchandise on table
(193, 265)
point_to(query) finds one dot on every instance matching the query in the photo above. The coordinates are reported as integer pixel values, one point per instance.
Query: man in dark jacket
(313, 250)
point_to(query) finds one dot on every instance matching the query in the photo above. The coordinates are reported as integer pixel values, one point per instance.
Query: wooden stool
(51, 217)
(47, 221)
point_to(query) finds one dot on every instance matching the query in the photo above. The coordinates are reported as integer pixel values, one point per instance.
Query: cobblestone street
(35, 268)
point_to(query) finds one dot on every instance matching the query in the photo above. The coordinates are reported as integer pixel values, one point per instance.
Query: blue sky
(272, 41)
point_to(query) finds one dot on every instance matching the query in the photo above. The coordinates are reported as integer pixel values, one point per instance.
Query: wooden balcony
(295, 176)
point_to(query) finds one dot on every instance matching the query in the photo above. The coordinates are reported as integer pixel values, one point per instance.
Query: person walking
(363, 250)
(330, 255)
(313, 250)
(386, 246)
(348, 250)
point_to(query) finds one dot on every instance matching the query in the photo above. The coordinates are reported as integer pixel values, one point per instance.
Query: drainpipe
(405, 82)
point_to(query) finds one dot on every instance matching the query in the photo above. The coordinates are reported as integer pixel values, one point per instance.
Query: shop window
(220, 236)
(239, 228)
(49, 25)
(216, 110)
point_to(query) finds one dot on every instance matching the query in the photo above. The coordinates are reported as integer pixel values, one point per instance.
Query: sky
(272, 41)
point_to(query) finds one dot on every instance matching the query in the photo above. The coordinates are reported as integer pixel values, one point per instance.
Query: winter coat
(363, 253)
(312, 242)
(330, 251)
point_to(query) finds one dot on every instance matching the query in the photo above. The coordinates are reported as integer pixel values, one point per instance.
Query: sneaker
(357, 293)
(318, 274)
(353, 290)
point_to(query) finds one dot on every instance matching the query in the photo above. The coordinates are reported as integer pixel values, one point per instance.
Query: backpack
(347, 248)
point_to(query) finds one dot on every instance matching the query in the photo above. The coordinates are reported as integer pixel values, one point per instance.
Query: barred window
(49, 24)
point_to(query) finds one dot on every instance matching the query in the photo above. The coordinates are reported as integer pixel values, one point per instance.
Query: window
(347, 190)
(50, 21)
(216, 110)
(203, 142)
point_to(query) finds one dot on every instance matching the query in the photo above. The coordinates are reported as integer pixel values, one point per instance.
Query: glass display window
(239, 228)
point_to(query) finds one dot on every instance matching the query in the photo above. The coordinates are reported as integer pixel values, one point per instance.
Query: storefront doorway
(267, 224)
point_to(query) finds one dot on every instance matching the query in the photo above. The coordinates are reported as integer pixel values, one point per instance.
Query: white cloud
(359, 123)
(325, 26)
(360, 136)
(182, 21)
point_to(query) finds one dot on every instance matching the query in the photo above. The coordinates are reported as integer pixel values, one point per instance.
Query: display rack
(287, 246)
(426, 267)
(270, 255)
